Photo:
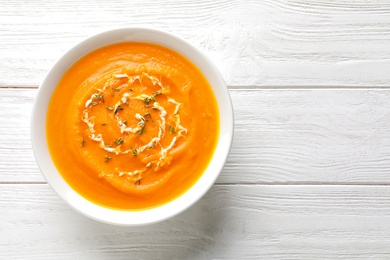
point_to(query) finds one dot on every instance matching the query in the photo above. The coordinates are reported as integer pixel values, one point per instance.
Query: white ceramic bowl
(53, 177)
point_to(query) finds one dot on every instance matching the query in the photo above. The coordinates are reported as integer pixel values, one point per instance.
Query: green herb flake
(104, 124)
(116, 89)
(148, 115)
(135, 151)
(138, 182)
(117, 108)
(94, 103)
(110, 108)
(96, 96)
(171, 129)
(119, 141)
(148, 99)
(142, 130)
(107, 158)
(82, 142)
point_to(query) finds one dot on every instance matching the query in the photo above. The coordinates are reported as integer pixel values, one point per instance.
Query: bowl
(141, 217)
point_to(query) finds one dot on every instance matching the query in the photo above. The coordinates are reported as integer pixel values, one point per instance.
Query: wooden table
(309, 171)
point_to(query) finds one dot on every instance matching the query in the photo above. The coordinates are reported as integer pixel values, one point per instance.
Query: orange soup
(132, 125)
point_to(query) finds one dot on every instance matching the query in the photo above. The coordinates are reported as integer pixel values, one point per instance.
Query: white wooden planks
(253, 43)
(285, 136)
(230, 222)
(314, 136)
(308, 176)
(17, 162)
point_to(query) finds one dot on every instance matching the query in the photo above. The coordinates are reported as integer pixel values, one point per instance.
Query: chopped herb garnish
(148, 99)
(171, 129)
(158, 93)
(119, 141)
(130, 89)
(94, 103)
(117, 108)
(116, 89)
(154, 108)
(104, 124)
(107, 158)
(140, 132)
(102, 99)
(110, 108)
(138, 182)
(148, 114)
(135, 151)
(82, 142)
(96, 96)
(124, 122)
(152, 122)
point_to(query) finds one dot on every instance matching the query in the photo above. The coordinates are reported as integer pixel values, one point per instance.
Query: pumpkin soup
(132, 125)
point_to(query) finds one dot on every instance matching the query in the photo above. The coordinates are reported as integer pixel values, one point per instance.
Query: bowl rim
(139, 217)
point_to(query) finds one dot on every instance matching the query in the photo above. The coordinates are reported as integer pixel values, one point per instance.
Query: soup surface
(132, 125)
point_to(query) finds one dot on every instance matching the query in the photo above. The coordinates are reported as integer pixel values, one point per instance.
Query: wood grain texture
(283, 136)
(253, 43)
(230, 222)
(308, 176)
(17, 161)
